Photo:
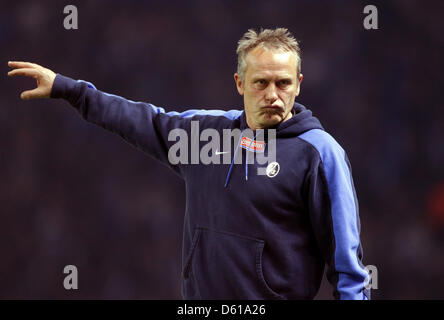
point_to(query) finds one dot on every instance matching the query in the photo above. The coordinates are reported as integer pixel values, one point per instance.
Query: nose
(271, 93)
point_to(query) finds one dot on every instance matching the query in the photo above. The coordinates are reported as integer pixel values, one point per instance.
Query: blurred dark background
(72, 193)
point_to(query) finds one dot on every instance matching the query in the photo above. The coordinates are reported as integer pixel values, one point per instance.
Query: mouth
(273, 108)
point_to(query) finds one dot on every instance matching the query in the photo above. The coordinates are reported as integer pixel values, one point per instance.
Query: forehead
(261, 60)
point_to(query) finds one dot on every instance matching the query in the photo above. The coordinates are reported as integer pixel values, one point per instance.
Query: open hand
(43, 76)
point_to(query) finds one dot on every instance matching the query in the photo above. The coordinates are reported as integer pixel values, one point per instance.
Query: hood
(302, 121)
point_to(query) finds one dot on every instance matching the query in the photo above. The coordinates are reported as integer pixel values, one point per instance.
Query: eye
(260, 83)
(284, 83)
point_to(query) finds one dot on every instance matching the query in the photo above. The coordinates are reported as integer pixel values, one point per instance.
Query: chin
(271, 121)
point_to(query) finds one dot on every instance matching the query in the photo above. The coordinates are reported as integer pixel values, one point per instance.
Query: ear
(239, 84)
(298, 89)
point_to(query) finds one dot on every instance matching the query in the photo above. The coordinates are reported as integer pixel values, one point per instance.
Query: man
(247, 236)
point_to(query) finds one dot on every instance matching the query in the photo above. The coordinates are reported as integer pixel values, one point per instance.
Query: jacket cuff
(61, 86)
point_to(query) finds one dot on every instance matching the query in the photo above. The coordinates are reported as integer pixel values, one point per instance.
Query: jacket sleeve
(334, 214)
(142, 125)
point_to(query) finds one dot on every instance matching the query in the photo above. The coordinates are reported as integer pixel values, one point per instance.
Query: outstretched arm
(143, 125)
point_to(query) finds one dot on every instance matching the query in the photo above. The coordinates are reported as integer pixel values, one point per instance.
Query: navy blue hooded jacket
(249, 236)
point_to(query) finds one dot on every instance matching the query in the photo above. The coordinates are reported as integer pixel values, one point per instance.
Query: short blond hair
(279, 38)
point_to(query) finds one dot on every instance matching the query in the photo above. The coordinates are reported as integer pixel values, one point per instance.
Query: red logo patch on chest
(252, 145)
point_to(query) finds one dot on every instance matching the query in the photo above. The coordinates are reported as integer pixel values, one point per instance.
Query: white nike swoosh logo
(220, 152)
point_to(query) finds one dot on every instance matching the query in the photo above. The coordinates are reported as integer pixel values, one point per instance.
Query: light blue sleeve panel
(230, 114)
(351, 274)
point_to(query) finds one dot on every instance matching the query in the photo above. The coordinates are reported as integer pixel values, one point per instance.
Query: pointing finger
(20, 64)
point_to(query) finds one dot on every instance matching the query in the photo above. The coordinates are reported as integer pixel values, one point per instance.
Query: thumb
(32, 94)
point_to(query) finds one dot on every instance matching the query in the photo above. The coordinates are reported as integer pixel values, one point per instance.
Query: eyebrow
(265, 78)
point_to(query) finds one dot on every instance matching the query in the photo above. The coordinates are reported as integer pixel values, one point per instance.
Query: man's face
(269, 87)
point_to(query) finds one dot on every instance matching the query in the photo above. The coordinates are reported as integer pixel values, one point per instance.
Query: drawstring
(232, 161)
(246, 161)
